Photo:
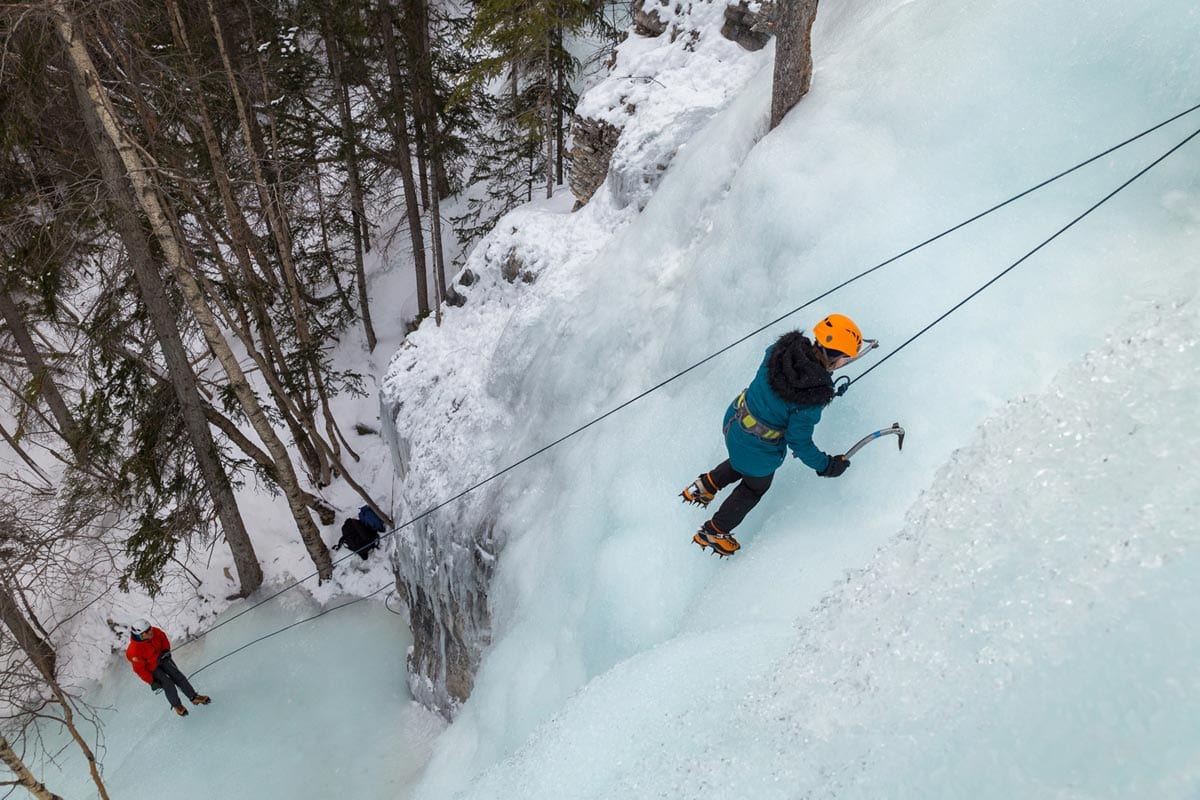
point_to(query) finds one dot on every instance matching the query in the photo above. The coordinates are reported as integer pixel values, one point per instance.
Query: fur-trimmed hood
(795, 374)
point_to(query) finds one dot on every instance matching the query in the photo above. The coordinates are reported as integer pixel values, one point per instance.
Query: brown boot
(181, 711)
(201, 700)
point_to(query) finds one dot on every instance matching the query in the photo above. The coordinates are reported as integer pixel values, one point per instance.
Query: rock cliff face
(749, 24)
(591, 152)
(647, 22)
(632, 158)
(443, 569)
(448, 413)
(443, 562)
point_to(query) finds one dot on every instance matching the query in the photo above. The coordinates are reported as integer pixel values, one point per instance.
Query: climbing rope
(743, 339)
(1028, 255)
(281, 630)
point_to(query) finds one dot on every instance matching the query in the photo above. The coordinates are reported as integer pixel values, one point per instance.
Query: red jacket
(143, 655)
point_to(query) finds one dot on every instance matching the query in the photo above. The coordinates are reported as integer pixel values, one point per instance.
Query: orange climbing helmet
(838, 332)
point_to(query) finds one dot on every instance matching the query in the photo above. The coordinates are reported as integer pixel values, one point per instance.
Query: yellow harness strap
(752, 425)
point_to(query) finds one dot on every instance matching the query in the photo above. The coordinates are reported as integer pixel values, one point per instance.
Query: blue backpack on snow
(371, 519)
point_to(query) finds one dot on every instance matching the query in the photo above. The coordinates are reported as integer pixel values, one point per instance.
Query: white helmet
(139, 627)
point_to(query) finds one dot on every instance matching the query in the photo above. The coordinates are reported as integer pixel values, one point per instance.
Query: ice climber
(149, 653)
(778, 411)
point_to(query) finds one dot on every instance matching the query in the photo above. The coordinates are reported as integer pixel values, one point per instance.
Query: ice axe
(895, 430)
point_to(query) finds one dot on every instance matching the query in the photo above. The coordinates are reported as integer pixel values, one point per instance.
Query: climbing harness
(751, 425)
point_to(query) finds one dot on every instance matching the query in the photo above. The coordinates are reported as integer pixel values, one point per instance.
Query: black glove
(837, 465)
(155, 687)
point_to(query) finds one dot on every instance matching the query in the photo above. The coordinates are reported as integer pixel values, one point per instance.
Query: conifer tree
(524, 44)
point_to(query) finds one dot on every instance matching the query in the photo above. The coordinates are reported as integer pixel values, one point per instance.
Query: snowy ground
(1005, 609)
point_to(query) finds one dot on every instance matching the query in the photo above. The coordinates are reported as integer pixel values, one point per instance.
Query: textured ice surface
(1029, 633)
(921, 114)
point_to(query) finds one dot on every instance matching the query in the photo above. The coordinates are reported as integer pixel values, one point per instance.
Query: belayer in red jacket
(149, 653)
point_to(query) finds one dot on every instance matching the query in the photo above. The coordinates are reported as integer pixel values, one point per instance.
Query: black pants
(745, 495)
(168, 677)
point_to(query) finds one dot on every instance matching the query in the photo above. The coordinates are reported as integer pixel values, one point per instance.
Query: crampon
(700, 493)
(722, 544)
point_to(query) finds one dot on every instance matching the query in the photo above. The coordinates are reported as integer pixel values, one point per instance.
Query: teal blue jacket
(757, 457)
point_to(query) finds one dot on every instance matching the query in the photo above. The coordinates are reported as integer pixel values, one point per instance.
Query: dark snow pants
(745, 495)
(169, 677)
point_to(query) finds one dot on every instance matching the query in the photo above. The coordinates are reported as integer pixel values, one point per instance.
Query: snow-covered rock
(661, 90)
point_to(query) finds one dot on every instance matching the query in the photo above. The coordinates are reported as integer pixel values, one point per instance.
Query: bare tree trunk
(276, 217)
(422, 160)
(16, 447)
(429, 156)
(548, 128)
(333, 50)
(425, 107)
(162, 317)
(403, 152)
(441, 181)
(793, 55)
(38, 649)
(69, 720)
(40, 372)
(558, 110)
(96, 106)
(24, 778)
(42, 657)
(439, 261)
